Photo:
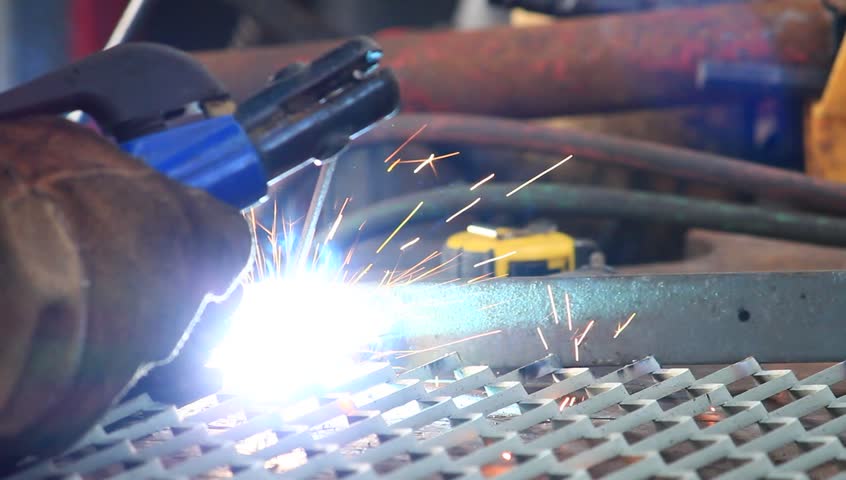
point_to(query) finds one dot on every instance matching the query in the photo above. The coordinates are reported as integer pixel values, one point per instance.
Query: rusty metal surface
(575, 66)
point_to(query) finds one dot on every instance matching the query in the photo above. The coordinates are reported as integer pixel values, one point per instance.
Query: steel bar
(315, 208)
(681, 319)
(605, 63)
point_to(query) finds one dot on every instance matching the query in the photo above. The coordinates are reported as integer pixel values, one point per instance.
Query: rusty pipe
(597, 64)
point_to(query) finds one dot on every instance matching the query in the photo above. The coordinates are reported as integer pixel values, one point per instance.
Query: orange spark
(552, 304)
(436, 269)
(569, 316)
(454, 342)
(482, 182)
(543, 340)
(491, 260)
(450, 281)
(334, 228)
(402, 224)
(576, 348)
(622, 327)
(431, 256)
(567, 402)
(408, 273)
(492, 278)
(480, 277)
(492, 305)
(431, 158)
(512, 192)
(361, 227)
(417, 239)
(587, 329)
(413, 135)
(363, 273)
(396, 162)
(468, 207)
(382, 282)
(427, 162)
(507, 456)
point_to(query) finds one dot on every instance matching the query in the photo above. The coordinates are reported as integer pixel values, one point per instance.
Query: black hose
(700, 167)
(583, 201)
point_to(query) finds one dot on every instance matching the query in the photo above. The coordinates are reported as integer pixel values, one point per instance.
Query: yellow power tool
(539, 249)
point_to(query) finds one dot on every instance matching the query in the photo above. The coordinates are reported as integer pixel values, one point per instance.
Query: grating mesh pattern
(449, 421)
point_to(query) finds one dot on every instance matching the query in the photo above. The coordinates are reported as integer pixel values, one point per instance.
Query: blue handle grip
(215, 155)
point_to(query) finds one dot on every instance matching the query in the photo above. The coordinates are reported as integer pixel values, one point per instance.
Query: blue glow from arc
(298, 332)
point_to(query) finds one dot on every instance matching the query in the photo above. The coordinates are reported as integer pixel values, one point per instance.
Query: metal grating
(449, 421)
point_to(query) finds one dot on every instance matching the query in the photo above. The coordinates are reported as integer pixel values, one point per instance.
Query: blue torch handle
(215, 155)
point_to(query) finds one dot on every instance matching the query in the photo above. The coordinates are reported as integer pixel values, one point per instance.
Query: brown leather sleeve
(104, 264)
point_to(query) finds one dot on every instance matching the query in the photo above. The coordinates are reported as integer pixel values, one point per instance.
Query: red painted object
(92, 21)
(596, 64)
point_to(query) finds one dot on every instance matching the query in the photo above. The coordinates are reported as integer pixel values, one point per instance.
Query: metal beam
(681, 319)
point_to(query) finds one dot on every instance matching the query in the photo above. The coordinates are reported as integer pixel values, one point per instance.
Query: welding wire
(528, 182)
(482, 182)
(468, 207)
(321, 191)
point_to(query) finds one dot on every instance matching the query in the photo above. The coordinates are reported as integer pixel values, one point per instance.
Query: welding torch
(163, 106)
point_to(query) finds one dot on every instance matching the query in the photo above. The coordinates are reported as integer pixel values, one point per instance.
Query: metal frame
(681, 319)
